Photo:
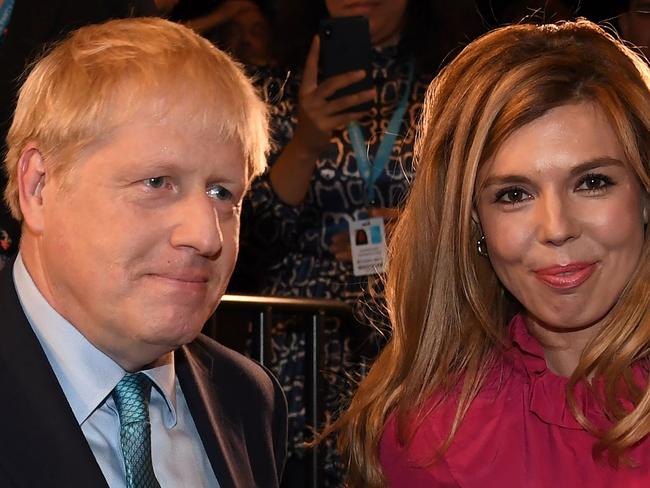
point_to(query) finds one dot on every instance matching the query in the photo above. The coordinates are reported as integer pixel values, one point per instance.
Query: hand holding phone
(319, 112)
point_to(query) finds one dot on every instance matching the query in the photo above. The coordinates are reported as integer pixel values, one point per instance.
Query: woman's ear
(475, 218)
(31, 181)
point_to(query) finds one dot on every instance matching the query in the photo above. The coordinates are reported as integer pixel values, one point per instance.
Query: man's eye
(511, 195)
(156, 182)
(594, 183)
(218, 192)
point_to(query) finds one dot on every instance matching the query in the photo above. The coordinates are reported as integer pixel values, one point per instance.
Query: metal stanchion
(257, 313)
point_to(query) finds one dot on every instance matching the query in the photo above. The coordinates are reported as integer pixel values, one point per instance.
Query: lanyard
(370, 172)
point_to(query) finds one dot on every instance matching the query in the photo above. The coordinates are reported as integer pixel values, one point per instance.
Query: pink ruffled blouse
(519, 432)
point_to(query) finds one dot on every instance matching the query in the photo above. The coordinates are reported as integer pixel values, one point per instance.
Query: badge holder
(368, 244)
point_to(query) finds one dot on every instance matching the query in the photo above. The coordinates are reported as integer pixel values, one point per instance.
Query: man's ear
(31, 181)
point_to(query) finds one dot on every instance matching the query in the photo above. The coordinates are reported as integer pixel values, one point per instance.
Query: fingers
(318, 115)
(344, 256)
(340, 240)
(387, 213)
(340, 246)
(331, 85)
(340, 104)
(340, 120)
(310, 74)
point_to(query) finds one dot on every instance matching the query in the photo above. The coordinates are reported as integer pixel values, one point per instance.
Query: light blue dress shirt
(87, 377)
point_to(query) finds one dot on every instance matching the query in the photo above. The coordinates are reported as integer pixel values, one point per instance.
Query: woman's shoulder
(430, 426)
(414, 463)
(492, 414)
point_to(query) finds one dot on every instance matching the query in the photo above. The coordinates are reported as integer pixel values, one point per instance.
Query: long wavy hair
(447, 308)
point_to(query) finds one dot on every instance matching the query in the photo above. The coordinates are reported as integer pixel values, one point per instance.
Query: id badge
(368, 243)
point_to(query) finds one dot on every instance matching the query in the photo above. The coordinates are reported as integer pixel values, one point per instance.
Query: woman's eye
(594, 182)
(218, 192)
(511, 195)
(156, 182)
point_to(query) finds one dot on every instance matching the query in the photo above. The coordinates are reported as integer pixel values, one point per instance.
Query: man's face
(139, 243)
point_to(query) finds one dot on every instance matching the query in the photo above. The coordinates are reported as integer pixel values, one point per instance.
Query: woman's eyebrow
(601, 162)
(583, 167)
(505, 178)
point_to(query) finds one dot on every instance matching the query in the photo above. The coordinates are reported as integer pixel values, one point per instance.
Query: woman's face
(386, 17)
(563, 216)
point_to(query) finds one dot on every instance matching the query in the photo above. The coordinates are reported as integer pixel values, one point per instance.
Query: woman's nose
(556, 223)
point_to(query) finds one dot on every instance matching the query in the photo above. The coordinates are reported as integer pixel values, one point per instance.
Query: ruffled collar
(548, 391)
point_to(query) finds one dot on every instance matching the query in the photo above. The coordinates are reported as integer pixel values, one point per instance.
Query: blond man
(131, 148)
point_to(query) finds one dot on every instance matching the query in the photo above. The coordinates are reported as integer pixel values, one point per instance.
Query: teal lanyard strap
(370, 172)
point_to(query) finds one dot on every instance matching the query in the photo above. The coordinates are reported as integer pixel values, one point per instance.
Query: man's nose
(197, 225)
(556, 222)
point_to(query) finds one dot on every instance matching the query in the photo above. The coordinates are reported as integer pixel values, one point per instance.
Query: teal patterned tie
(131, 397)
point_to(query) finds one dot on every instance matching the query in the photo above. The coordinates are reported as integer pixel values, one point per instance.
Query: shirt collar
(548, 391)
(86, 375)
(163, 376)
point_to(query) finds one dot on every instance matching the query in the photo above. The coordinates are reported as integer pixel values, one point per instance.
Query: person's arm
(291, 173)
(220, 15)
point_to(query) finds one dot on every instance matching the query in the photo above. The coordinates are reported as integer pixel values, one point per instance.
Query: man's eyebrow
(154, 164)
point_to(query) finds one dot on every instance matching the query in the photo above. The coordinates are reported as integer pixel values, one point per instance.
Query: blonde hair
(447, 308)
(102, 75)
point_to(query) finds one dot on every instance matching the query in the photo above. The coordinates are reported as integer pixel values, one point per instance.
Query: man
(131, 148)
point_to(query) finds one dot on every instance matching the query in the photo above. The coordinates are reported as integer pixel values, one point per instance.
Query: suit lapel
(42, 444)
(222, 439)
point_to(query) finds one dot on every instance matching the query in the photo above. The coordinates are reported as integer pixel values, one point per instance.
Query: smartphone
(345, 46)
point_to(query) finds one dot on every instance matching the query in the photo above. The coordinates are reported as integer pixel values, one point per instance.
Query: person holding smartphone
(297, 216)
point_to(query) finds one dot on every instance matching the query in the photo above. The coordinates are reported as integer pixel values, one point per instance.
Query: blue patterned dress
(293, 241)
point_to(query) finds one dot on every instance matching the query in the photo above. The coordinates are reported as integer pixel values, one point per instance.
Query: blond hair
(102, 75)
(447, 308)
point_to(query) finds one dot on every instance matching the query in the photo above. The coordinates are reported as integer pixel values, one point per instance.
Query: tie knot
(131, 397)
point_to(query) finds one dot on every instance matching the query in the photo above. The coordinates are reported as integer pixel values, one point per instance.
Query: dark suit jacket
(238, 408)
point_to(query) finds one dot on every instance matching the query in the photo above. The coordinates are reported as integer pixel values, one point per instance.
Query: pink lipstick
(566, 277)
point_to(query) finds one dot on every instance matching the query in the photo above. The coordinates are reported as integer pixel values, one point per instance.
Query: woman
(530, 208)
(296, 217)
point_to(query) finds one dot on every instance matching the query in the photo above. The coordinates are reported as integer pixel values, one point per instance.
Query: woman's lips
(566, 277)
